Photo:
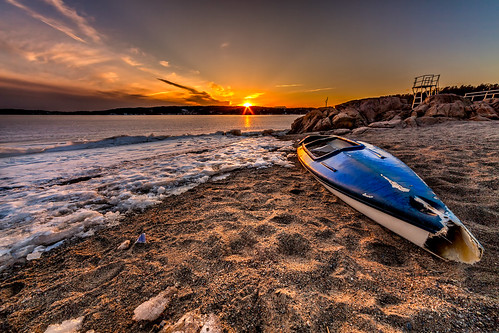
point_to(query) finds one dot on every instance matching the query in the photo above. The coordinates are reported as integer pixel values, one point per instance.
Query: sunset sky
(93, 55)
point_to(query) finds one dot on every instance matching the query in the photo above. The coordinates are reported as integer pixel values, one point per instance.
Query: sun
(247, 104)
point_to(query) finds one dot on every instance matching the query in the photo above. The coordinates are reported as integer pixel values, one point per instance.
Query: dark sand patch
(271, 250)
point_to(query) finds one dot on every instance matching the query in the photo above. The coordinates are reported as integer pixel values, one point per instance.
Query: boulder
(484, 110)
(377, 109)
(323, 124)
(306, 123)
(494, 103)
(344, 120)
(445, 105)
(411, 122)
(235, 132)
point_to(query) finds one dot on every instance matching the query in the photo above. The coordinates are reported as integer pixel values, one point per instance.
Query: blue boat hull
(385, 189)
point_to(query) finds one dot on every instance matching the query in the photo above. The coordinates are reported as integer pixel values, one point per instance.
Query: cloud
(80, 22)
(164, 63)
(221, 91)
(70, 55)
(289, 85)
(224, 45)
(51, 22)
(110, 77)
(195, 96)
(319, 89)
(131, 61)
(253, 96)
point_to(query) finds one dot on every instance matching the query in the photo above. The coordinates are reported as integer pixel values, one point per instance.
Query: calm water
(26, 132)
(68, 176)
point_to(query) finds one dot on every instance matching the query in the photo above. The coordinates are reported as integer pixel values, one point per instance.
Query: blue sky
(79, 55)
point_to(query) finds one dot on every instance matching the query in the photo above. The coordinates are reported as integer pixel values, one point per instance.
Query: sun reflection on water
(247, 121)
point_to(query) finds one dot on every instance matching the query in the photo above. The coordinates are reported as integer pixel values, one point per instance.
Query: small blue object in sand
(141, 239)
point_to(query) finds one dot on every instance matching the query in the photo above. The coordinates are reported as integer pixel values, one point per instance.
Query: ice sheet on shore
(49, 197)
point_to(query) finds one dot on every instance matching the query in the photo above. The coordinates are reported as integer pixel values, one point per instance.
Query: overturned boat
(386, 190)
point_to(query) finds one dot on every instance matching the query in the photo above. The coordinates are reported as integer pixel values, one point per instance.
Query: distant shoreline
(169, 110)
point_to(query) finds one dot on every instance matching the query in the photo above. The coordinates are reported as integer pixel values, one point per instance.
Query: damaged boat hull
(386, 190)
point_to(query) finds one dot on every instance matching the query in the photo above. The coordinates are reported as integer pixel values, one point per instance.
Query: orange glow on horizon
(247, 108)
(248, 111)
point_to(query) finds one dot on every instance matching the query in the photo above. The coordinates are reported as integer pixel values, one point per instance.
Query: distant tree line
(462, 90)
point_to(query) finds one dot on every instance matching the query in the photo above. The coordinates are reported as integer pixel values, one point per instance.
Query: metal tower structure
(424, 86)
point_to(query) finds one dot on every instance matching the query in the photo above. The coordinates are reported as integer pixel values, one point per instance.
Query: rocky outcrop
(445, 105)
(484, 110)
(392, 111)
(378, 109)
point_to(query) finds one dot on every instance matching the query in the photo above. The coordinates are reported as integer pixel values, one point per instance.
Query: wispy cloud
(49, 21)
(224, 45)
(70, 55)
(319, 89)
(81, 23)
(195, 96)
(289, 85)
(164, 63)
(131, 61)
(253, 96)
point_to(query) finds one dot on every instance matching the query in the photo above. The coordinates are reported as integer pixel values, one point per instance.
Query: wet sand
(271, 250)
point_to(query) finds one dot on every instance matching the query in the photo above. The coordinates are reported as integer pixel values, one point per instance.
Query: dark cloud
(196, 96)
(20, 94)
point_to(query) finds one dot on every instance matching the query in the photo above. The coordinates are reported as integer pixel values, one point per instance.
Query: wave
(113, 142)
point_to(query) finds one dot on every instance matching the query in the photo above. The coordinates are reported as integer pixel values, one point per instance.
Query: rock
(268, 132)
(235, 132)
(475, 118)
(344, 120)
(494, 103)
(124, 245)
(341, 131)
(70, 325)
(485, 110)
(306, 123)
(420, 110)
(446, 105)
(194, 322)
(376, 109)
(393, 112)
(154, 307)
(360, 130)
(323, 124)
(411, 122)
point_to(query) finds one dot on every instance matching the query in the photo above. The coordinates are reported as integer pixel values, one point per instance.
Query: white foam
(49, 197)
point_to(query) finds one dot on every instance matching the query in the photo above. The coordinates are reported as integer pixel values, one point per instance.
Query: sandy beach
(270, 250)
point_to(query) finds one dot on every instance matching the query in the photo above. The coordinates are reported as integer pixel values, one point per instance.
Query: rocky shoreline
(395, 112)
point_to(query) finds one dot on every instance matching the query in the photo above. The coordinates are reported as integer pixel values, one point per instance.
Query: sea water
(68, 176)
